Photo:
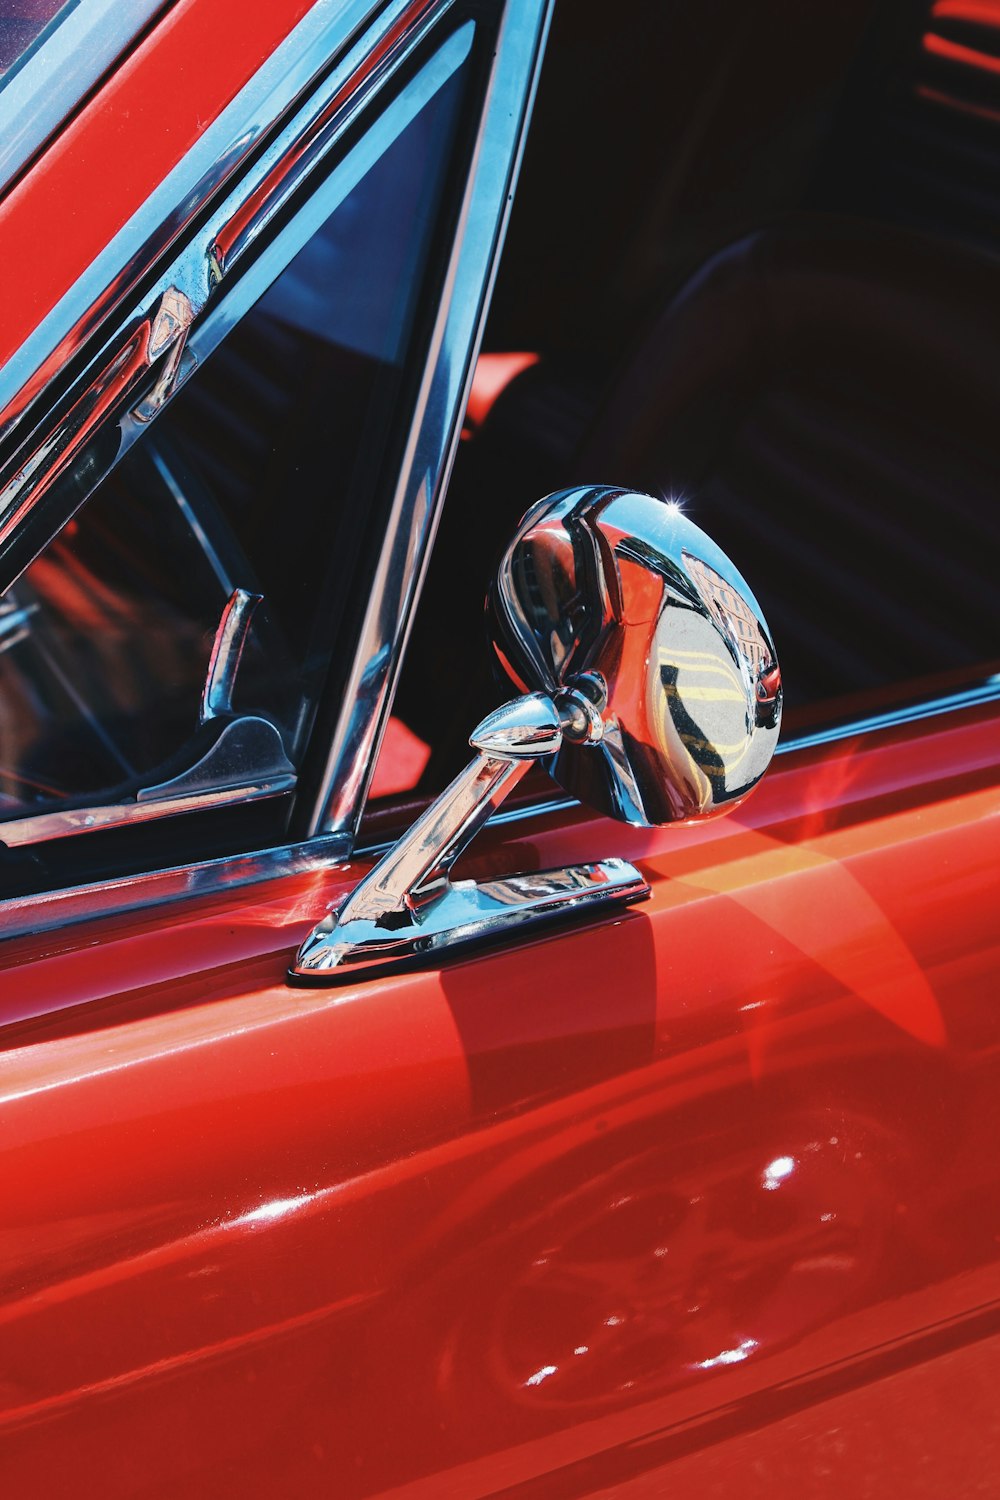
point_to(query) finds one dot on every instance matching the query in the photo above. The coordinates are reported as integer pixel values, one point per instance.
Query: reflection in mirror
(618, 599)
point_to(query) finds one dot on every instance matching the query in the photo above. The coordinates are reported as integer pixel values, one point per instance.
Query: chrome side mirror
(650, 691)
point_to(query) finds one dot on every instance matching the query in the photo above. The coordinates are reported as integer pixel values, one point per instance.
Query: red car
(650, 1151)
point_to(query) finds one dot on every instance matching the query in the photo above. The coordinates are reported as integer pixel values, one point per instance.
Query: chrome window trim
(153, 336)
(23, 833)
(315, 45)
(891, 718)
(42, 90)
(434, 437)
(153, 333)
(44, 911)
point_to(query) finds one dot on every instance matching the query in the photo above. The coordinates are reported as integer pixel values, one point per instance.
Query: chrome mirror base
(465, 913)
(407, 909)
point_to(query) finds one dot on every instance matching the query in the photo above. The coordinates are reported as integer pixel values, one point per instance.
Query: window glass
(261, 476)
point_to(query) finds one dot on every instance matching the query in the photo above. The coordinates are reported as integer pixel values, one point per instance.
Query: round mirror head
(614, 601)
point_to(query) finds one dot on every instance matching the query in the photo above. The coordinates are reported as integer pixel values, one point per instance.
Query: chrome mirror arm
(407, 907)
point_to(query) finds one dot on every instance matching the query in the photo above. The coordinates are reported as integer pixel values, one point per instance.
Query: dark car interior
(755, 250)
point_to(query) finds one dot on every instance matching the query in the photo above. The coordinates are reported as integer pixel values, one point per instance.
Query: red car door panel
(515, 1215)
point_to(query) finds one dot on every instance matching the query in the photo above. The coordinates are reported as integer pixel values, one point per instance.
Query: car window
(244, 509)
(808, 370)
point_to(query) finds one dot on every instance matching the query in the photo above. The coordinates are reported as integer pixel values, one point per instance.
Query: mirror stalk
(407, 907)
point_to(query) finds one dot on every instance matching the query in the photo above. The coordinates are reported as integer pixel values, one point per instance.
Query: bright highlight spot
(728, 1356)
(542, 1374)
(776, 1171)
(276, 1209)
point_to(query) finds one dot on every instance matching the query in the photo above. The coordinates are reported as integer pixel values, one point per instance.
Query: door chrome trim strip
(21, 916)
(984, 692)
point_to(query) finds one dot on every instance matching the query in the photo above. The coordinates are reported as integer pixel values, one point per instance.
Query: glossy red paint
(91, 178)
(635, 1206)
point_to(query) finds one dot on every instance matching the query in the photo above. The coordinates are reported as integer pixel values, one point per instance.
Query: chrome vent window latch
(245, 751)
(650, 691)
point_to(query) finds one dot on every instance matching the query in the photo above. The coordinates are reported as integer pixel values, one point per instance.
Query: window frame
(348, 73)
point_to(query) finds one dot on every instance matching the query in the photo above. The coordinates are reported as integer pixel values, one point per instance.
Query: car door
(697, 1194)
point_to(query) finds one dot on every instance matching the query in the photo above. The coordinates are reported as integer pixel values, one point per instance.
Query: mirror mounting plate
(408, 910)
